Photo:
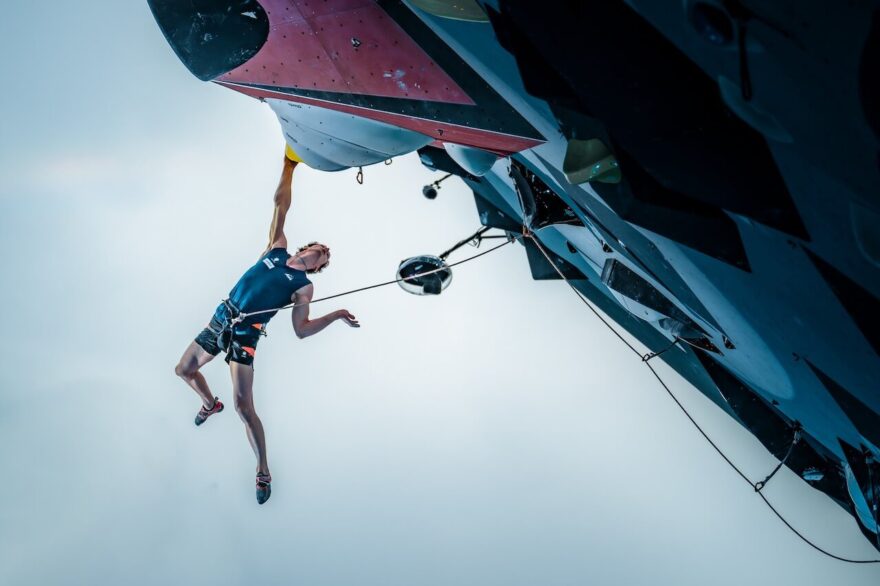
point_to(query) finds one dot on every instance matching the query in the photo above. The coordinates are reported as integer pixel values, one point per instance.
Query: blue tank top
(269, 284)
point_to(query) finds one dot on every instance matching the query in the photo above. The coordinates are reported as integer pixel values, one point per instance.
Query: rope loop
(360, 176)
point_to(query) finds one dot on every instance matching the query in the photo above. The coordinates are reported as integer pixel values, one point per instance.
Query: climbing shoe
(203, 413)
(264, 488)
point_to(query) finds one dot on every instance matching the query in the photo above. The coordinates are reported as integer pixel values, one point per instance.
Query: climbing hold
(590, 160)
(291, 154)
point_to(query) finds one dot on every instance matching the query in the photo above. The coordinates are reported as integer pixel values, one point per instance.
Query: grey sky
(495, 435)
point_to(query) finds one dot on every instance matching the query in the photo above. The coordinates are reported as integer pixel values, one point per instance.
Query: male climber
(276, 279)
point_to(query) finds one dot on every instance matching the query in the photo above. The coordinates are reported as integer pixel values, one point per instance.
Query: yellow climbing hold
(288, 152)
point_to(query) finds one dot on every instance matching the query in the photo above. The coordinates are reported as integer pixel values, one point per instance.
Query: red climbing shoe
(264, 488)
(203, 413)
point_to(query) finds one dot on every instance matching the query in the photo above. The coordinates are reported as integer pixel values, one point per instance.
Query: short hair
(316, 269)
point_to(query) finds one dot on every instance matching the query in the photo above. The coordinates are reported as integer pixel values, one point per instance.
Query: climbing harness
(225, 338)
(242, 315)
(528, 234)
(224, 341)
(796, 436)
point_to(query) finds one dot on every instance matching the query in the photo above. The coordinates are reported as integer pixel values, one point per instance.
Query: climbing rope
(646, 359)
(242, 316)
(652, 355)
(759, 486)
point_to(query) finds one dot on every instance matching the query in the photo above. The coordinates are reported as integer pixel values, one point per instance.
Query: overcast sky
(494, 435)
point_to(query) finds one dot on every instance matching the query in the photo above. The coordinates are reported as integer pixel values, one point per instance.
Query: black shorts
(215, 339)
